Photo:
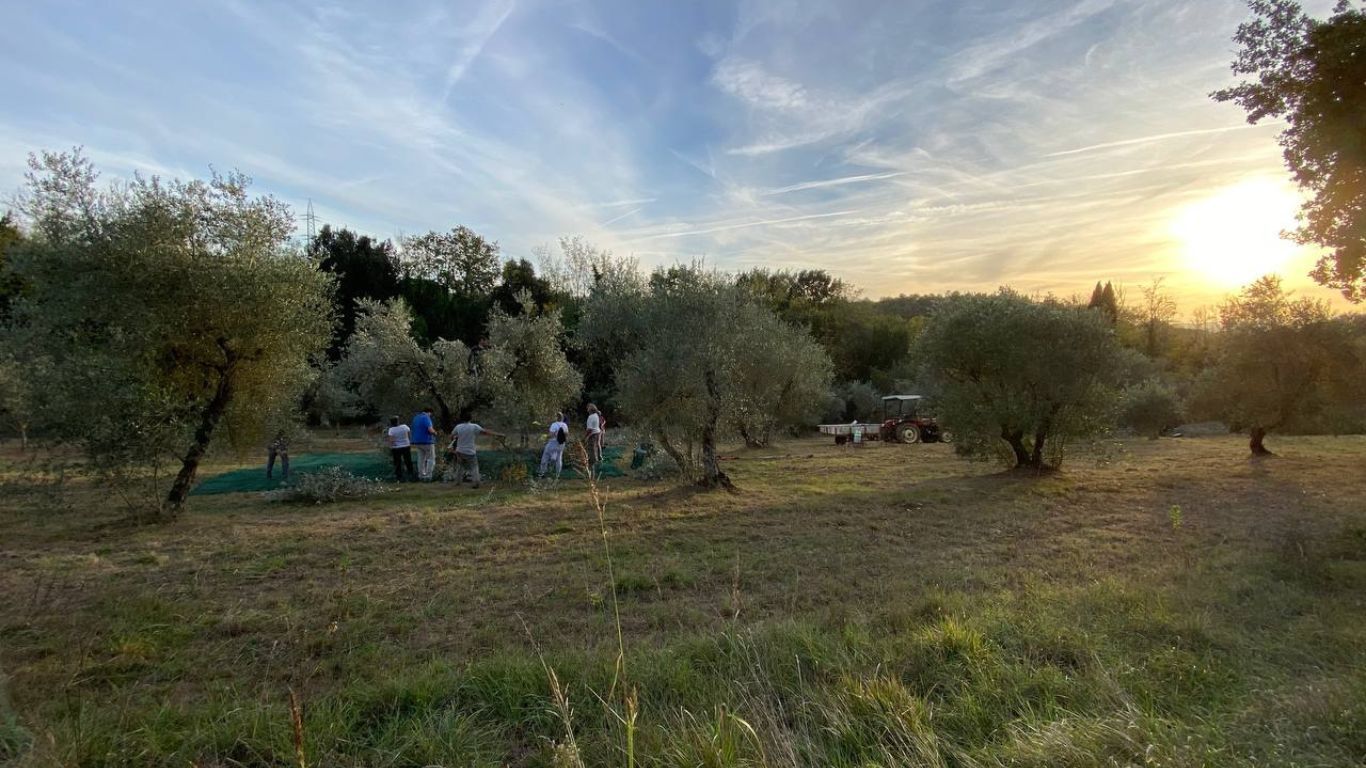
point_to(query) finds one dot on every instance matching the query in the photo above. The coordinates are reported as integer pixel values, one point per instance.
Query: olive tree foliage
(386, 370)
(1280, 360)
(672, 382)
(519, 377)
(1311, 73)
(699, 360)
(1029, 375)
(781, 379)
(525, 374)
(178, 308)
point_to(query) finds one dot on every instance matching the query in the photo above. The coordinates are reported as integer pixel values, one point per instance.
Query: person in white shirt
(466, 456)
(553, 453)
(401, 449)
(594, 428)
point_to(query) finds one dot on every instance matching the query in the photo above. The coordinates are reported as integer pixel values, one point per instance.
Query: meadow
(1159, 603)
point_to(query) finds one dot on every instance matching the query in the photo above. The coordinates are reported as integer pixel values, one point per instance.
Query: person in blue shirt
(424, 442)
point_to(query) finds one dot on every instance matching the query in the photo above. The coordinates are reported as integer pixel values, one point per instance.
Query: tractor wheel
(945, 436)
(908, 433)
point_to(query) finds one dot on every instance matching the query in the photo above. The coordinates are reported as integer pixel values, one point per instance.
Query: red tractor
(902, 422)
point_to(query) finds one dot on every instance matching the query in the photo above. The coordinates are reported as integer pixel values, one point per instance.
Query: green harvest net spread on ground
(377, 465)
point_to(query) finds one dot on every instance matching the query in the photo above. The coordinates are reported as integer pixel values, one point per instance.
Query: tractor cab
(904, 421)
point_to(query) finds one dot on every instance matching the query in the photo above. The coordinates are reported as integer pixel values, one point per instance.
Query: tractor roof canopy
(900, 406)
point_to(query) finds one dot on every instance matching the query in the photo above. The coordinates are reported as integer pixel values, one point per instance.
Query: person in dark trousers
(401, 449)
(278, 448)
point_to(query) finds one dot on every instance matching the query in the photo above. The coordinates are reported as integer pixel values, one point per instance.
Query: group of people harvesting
(421, 438)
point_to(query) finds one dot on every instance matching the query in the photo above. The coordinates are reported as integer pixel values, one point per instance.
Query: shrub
(1149, 407)
(650, 464)
(325, 487)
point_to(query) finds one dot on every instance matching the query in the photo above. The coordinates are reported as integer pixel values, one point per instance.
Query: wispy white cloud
(1149, 139)
(623, 203)
(471, 39)
(757, 87)
(619, 217)
(592, 30)
(998, 48)
(729, 227)
(823, 183)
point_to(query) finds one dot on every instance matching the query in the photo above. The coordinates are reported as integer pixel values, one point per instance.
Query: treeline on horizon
(869, 341)
(452, 281)
(150, 320)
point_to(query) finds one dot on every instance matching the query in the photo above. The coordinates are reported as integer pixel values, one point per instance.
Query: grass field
(1173, 605)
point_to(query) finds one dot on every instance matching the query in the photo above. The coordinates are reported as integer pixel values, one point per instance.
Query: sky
(908, 146)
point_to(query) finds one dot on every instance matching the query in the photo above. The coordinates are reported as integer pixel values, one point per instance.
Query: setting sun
(1233, 237)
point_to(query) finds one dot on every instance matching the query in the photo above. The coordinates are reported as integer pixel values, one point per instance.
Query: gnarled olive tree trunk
(1256, 436)
(712, 476)
(203, 434)
(1015, 439)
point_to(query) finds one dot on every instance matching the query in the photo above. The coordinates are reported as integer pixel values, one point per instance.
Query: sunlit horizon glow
(904, 147)
(1234, 236)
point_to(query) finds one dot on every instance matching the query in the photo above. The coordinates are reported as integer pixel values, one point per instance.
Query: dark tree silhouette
(365, 269)
(1312, 73)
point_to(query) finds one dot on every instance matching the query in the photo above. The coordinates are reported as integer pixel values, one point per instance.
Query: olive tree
(525, 372)
(1031, 375)
(781, 377)
(672, 382)
(700, 360)
(390, 372)
(1279, 360)
(177, 306)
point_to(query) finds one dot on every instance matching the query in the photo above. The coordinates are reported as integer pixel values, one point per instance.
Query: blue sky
(906, 146)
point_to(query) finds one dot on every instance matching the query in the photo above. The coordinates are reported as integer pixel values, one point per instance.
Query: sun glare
(1233, 237)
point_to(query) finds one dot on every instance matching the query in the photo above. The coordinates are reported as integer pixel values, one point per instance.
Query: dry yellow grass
(247, 599)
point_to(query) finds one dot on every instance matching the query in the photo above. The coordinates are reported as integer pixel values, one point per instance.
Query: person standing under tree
(424, 441)
(400, 449)
(594, 429)
(553, 453)
(278, 448)
(466, 456)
